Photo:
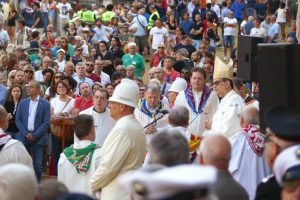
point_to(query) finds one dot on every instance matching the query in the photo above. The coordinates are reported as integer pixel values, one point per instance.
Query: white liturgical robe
(226, 119)
(197, 126)
(67, 172)
(247, 167)
(145, 120)
(103, 124)
(124, 149)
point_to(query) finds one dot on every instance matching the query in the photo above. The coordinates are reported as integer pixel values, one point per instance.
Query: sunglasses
(57, 77)
(28, 71)
(12, 77)
(161, 47)
(217, 82)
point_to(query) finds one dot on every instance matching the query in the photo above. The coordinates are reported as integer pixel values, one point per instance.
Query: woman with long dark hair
(115, 47)
(51, 91)
(13, 98)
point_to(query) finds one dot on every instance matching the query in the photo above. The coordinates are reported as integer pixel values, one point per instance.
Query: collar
(37, 98)
(125, 118)
(99, 112)
(230, 93)
(82, 144)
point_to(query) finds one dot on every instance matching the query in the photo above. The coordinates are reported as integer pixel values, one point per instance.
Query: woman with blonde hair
(11, 78)
(29, 73)
(11, 22)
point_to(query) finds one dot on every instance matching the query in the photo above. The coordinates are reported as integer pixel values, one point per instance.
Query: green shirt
(137, 61)
(88, 16)
(107, 16)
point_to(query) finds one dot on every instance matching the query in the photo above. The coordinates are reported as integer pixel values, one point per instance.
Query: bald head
(215, 150)
(3, 118)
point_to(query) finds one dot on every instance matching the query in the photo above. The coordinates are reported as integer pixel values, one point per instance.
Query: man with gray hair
(179, 120)
(130, 71)
(149, 109)
(23, 185)
(169, 148)
(215, 150)
(248, 150)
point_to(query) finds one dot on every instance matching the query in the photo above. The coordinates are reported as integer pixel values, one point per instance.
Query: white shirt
(281, 15)
(63, 10)
(33, 104)
(3, 36)
(197, 126)
(258, 32)
(103, 124)
(140, 25)
(246, 167)
(68, 175)
(61, 65)
(123, 150)
(59, 106)
(226, 119)
(104, 78)
(158, 36)
(102, 33)
(229, 30)
(216, 8)
(145, 120)
(38, 75)
(190, 7)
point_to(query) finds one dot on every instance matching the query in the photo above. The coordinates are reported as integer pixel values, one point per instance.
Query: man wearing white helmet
(177, 86)
(124, 148)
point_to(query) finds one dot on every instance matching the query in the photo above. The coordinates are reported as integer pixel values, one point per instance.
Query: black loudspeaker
(247, 57)
(278, 76)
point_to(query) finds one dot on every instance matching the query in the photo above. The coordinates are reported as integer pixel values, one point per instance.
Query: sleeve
(236, 152)
(43, 128)
(60, 169)
(151, 31)
(230, 120)
(76, 104)
(19, 121)
(118, 149)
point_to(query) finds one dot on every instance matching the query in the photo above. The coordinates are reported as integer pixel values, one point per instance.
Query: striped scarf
(191, 100)
(255, 139)
(142, 104)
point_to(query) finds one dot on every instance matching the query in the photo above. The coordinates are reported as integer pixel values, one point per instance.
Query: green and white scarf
(80, 158)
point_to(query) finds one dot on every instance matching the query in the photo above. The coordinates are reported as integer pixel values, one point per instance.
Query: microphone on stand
(163, 113)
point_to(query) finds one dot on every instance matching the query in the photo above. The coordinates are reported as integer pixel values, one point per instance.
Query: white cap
(127, 92)
(170, 181)
(178, 85)
(285, 161)
(61, 50)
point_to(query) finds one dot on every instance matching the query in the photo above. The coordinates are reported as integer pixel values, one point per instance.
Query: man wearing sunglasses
(226, 119)
(282, 132)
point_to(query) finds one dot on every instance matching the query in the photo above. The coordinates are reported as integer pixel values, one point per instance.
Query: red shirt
(95, 78)
(81, 104)
(170, 78)
(156, 58)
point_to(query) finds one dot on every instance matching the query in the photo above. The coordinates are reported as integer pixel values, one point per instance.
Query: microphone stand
(154, 121)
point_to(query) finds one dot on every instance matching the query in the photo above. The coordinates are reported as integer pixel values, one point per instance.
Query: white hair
(131, 44)
(17, 182)
(248, 116)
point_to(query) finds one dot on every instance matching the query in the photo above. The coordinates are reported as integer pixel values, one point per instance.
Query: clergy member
(102, 120)
(149, 109)
(248, 150)
(125, 147)
(200, 101)
(226, 119)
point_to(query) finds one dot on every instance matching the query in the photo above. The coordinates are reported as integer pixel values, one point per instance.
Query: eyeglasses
(57, 77)
(63, 41)
(161, 47)
(217, 82)
(28, 71)
(12, 77)
(89, 65)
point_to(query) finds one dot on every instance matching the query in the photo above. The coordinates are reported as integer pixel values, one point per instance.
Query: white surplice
(246, 166)
(103, 124)
(123, 150)
(67, 172)
(197, 126)
(145, 120)
(226, 119)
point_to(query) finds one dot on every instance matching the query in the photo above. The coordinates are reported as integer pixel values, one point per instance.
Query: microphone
(164, 112)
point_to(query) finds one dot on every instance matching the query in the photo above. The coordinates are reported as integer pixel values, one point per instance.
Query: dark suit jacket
(226, 188)
(41, 123)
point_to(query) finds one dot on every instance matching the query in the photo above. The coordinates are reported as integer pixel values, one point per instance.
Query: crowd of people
(153, 112)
